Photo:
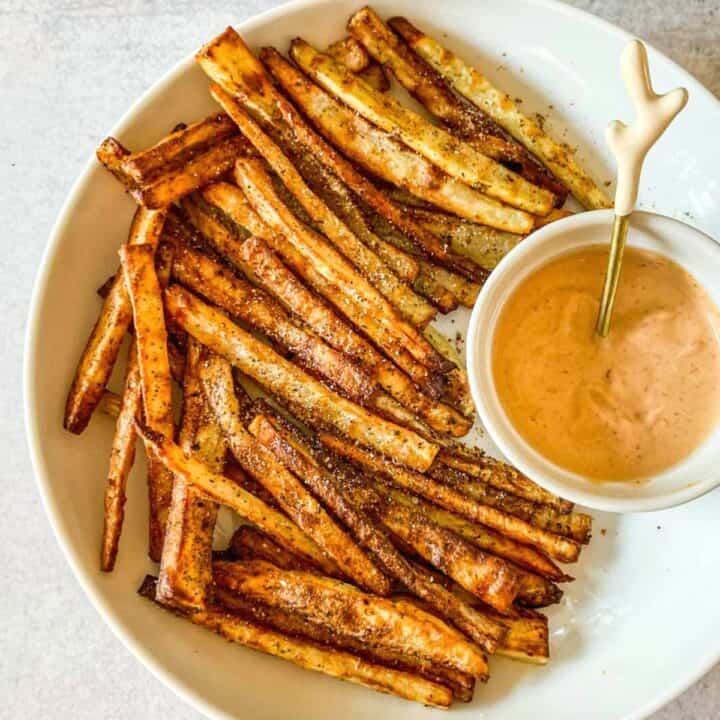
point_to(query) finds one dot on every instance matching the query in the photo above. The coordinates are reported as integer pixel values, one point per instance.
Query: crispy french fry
(463, 289)
(360, 301)
(470, 83)
(376, 621)
(486, 539)
(312, 656)
(122, 456)
(461, 684)
(574, 525)
(248, 543)
(221, 286)
(465, 120)
(143, 288)
(527, 637)
(412, 307)
(556, 546)
(185, 566)
(289, 382)
(269, 271)
(225, 491)
(457, 158)
(100, 353)
(291, 495)
(380, 153)
(350, 53)
(178, 147)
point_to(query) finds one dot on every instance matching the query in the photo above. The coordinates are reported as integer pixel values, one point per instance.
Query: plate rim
(42, 278)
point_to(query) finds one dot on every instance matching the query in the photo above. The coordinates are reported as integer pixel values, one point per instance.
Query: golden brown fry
(527, 637)
(365, 305)
(455, 157)
(381, 154)
(470, 83)
(144, 291)
(100, 353)
(555, 546)
(412, 307)
(313, 656)
(376, 77)
(122, 456)
(378, 622)
(221, 286)
(468, 122)
(185, 566)
(225, 491)
(290, 383)
(350, 53)
(248, 543)
(294, 624)
(177, 148)
(486, 539)
(269, 271)
(464, 290)
(291, 495)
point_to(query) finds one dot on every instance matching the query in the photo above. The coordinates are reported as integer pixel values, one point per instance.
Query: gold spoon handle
(630, 144)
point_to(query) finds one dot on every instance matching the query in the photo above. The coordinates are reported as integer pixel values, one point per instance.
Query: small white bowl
(693, 250)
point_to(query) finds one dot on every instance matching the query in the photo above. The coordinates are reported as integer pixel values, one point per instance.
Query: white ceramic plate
(640, 623)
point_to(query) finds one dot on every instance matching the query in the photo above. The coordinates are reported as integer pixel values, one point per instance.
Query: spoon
(630, 145)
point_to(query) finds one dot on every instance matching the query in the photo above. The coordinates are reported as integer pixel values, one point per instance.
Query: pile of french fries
(300, 242)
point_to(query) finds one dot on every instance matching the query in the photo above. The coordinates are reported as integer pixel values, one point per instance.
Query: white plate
(640, 623)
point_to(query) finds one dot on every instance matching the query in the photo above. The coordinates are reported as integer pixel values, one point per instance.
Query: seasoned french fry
(175, 149)
(412, 307)
(248, 543)
(291, 495)
(225, 491)
(464, 290)
(380, 153)
(221, 286)
(350, 53)
(378, 622)
(556, 546)
(365, 305)
(468, 122)
(100, 353)
(122, 456)
(470, 83)
(461, 684)
(313, 656)
(185, 565)
(457, 158)
(144, 291)
(289, 382)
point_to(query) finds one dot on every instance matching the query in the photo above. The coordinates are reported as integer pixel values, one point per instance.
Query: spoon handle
(630, 144)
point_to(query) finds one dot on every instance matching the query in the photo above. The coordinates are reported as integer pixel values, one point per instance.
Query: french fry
(225, 491)
(376, 621)
(464, 290)
(99, 356)
(248, 543)
(270, 272)
(412, 307)
(229, 62)
(527, 637)
(175, 149)
(144, 291)
(313, 656)
(293, 624)
(289, 382)
(290, 452)
(465, 120)
(185, 565)
(381, 154)
(486, 539)
(200, 273)
(556, 546)
(365, 305)
(574, 525)
(470, 83)
(455, 157)
(302, 507)
(350, 53)
(122, 456)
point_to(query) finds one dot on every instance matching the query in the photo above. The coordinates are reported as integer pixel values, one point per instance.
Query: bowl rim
(41, 280)
(476, 366)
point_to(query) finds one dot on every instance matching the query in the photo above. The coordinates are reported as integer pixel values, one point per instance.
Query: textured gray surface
(68, 70)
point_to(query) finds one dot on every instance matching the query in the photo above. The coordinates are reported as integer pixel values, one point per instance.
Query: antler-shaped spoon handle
(630, 145)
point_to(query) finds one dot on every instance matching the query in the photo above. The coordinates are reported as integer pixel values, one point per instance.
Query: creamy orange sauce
(617, 408)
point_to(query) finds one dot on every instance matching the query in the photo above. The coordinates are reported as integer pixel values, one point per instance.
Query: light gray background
(68, 70)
